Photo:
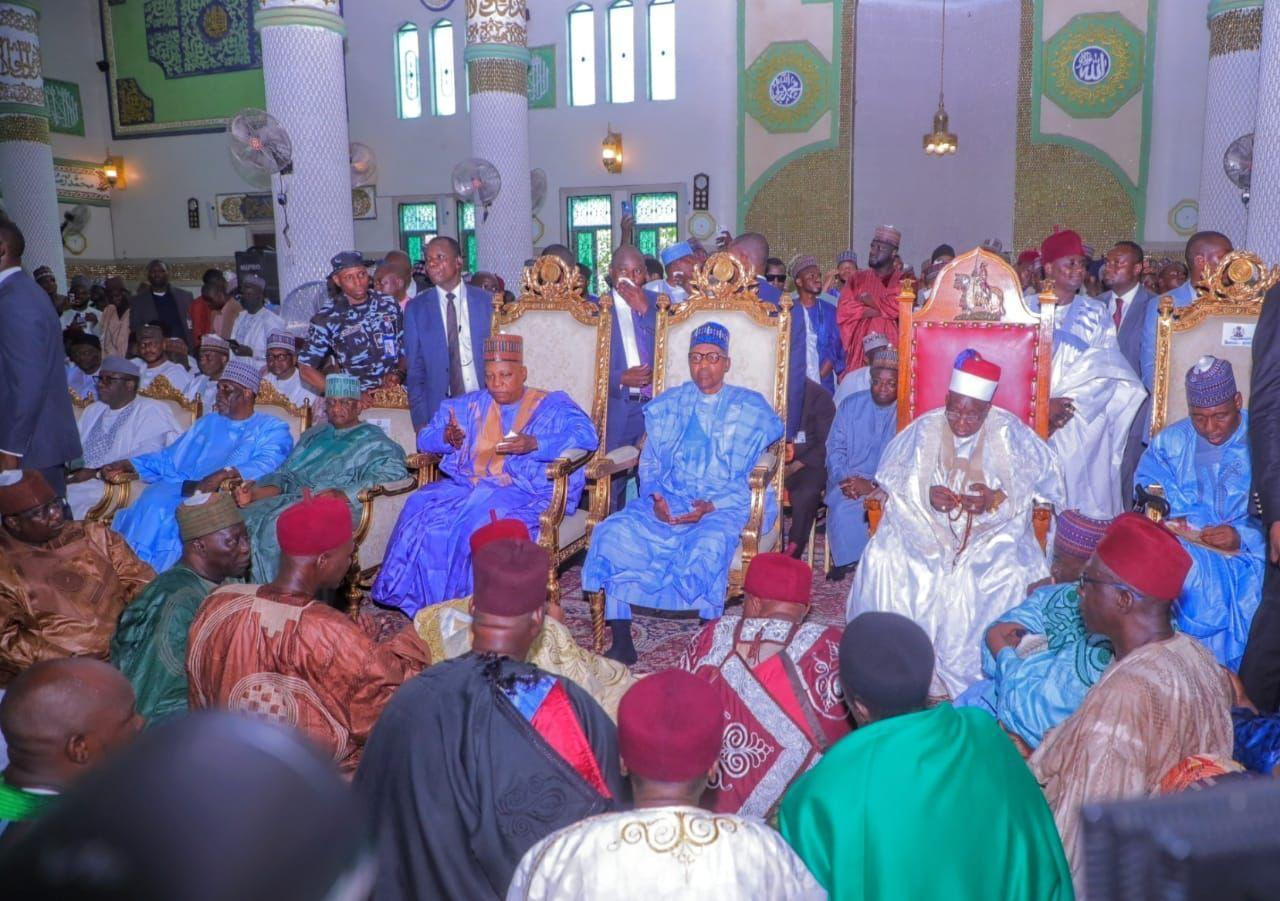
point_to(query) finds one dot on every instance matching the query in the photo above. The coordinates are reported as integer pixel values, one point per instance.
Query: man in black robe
(480, 757)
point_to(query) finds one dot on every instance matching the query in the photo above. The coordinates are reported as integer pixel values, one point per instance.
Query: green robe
(17, 805)
(324, 457)
(150, 644)
(935, 804)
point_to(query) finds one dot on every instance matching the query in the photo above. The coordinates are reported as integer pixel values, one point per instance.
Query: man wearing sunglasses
(671, 549)
(119, 426)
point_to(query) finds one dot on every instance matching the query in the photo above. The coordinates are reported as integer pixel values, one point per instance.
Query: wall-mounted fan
(260, 148)
(364, 165)
(477, 181)
(74, 222)
(537, 188)
(301, 304)
(1237, 162)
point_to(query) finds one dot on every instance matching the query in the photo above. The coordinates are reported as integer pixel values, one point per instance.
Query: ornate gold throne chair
(273, 403)
(760, 345)
(976, 302)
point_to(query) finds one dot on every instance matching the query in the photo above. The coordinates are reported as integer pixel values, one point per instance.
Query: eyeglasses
(43, 511)
(780, 277)
(711, 357)
(1089, 580)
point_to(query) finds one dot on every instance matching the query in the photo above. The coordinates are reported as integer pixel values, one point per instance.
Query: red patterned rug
(659, 640)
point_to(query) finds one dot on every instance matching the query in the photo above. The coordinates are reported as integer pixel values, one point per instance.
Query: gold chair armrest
(120, 478)
(568, 462)
(764, 470)
(387, 489)
(620, 459)
(426, 465)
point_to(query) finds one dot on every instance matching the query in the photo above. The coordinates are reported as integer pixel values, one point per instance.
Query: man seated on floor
(1203, 464)
(150, 644)
(62, 584)
(276, 650)
(672, 549)
(775, 675)
(865, 423)
(212, 358)
(156, 362)
(956, 547)
(282, 371)
(1162, 700)
(1038, 658)
(669, 733)
(480, 757)
(231, 442)
(341, 456)
(889, 812)
(496, 444)
(446, 628)
(118, 426)
(59, 719)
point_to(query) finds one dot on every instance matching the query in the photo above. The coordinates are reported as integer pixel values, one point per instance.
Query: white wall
(961, 199)
(664, 142)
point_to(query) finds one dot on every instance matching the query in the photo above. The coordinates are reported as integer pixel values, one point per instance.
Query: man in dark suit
(444, 330)
(1127, 302)
(633, 326)
(37, 423)
(161, 302)
(752, 249)
(1260, 668)
(807, 471)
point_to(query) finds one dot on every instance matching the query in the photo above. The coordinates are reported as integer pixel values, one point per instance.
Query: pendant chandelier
(940, 141)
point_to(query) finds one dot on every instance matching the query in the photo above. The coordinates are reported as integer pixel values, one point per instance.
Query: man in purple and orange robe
(482, 756)
(496, 444)
(780, 682)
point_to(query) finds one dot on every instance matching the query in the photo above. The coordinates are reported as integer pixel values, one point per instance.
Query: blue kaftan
(1211, 486)
(858, 436)
(428, 556)
(698, 447)
(253, 446)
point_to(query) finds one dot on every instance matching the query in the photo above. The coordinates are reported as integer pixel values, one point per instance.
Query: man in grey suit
(444, 330)
(37, 423)
(162, 303)
(1127, 303)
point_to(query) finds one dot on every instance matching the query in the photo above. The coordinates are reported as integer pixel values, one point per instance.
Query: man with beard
(85, 353)
(823, 356)
(156, 362)
(232, 442)
(254, 323)
(282, 370)
(115, 318)
(162, 303)
(150, 644)
(869, 300)
(212, 357)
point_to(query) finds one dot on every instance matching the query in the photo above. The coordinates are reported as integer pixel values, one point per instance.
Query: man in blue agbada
(1202, 462)
(341, 456)
(496, 445)
(233, 442)
(1038, 658)
(672, 550)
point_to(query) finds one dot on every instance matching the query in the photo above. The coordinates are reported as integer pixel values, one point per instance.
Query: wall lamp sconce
(611, 152)
(113, 172)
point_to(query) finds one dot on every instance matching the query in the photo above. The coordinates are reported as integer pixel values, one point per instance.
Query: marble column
(302, 65)
(1264, 203)
(497, 59)
(1235, 35)
(26, 159)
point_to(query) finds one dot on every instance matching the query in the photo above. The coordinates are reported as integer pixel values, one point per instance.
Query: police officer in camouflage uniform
(362, 330)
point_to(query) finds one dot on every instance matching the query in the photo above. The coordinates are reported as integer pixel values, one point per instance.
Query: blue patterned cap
(675, 252)
(341, 385)
(710, 333)
(246, 375)
(1211, 381)
(846, 256)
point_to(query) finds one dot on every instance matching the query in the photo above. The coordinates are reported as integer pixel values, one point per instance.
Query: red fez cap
(314, 525)
(1061, 244)
(31, 490)
(670, 725)
(510, 577)
(496, 529)
(1145, 555)
(779, 577)
(1030, 255)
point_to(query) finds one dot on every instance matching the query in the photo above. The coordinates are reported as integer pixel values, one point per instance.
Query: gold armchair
(79, 404)
(566, 348)
(273, 403)
(724, 290)
(1220, 322)
(185, 411)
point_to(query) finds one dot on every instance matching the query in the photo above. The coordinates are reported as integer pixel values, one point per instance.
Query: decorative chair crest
(393, 398)
(549, 278)
(722, 276)
(1241, 277)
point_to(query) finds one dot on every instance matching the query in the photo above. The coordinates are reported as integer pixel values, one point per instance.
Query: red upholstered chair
(976, 302)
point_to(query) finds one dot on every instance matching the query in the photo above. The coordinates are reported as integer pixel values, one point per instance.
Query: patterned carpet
(659, 640)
